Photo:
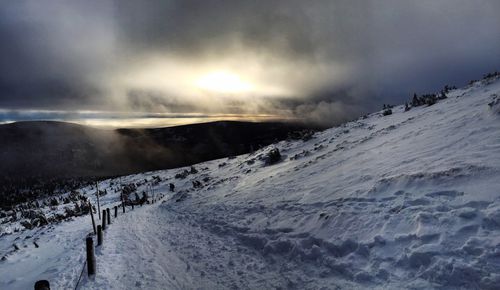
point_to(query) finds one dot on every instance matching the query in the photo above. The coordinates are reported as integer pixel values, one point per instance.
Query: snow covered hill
(405, 201)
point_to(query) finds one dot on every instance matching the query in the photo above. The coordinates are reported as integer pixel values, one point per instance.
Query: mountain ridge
(52, 148)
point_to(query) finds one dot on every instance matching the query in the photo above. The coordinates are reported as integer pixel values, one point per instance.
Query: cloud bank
(321, 61)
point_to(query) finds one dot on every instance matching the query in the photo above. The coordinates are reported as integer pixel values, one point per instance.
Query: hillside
(59, 149)
(405, 201)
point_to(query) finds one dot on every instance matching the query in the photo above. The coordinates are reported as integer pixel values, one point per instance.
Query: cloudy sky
(321, 61)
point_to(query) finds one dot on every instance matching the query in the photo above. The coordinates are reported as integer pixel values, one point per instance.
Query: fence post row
(91, 261)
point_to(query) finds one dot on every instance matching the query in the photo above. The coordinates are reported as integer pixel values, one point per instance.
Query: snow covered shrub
(69, 212)
(387, 110)
(491, 75)
(495, 105)
(197, 184)
(300, 155)
(182, 175)
(430, 99)
(304, 135)
(427, 99)
(54, 202)
(156, 179)
(273, 156)
(26, 224)
(144, 198)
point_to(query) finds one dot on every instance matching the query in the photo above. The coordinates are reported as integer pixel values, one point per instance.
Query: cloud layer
(324, 61)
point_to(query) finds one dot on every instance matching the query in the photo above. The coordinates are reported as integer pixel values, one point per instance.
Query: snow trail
(148, 249)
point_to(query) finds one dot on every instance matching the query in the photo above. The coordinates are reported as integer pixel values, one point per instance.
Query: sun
(223, 82)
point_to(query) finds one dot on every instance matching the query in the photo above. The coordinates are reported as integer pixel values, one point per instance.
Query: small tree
(273, 156)
(415, 102)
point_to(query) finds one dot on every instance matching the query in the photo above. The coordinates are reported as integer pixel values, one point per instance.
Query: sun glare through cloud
(223, 82)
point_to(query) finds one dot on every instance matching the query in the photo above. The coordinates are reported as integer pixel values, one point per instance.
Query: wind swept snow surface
(405, 201)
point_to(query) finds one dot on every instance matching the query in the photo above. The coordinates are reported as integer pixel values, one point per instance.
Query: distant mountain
(47, 148)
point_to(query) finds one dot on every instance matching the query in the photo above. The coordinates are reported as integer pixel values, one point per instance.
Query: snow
(405, 201)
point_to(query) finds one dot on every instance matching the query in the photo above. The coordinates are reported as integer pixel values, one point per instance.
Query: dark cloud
(52, 50)
(336, 59)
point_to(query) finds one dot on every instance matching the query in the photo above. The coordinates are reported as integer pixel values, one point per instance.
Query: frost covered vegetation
(18, 190)
(406, 200)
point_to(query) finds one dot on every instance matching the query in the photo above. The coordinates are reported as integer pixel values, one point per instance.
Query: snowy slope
(405, 201)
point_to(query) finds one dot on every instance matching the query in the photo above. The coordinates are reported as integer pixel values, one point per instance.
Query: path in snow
(154, 248)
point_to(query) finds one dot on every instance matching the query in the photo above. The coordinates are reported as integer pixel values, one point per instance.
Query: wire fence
(81, 274)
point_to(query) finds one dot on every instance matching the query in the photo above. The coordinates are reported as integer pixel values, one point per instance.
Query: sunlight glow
(223, 82)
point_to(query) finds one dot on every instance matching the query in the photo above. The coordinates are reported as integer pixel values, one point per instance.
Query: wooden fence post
(92, 216)
(109, 216)
(99, 235)
(116, 211)
(123, 201)
(42, 285)
(103, 219)
(98, 203)
(90, 256)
